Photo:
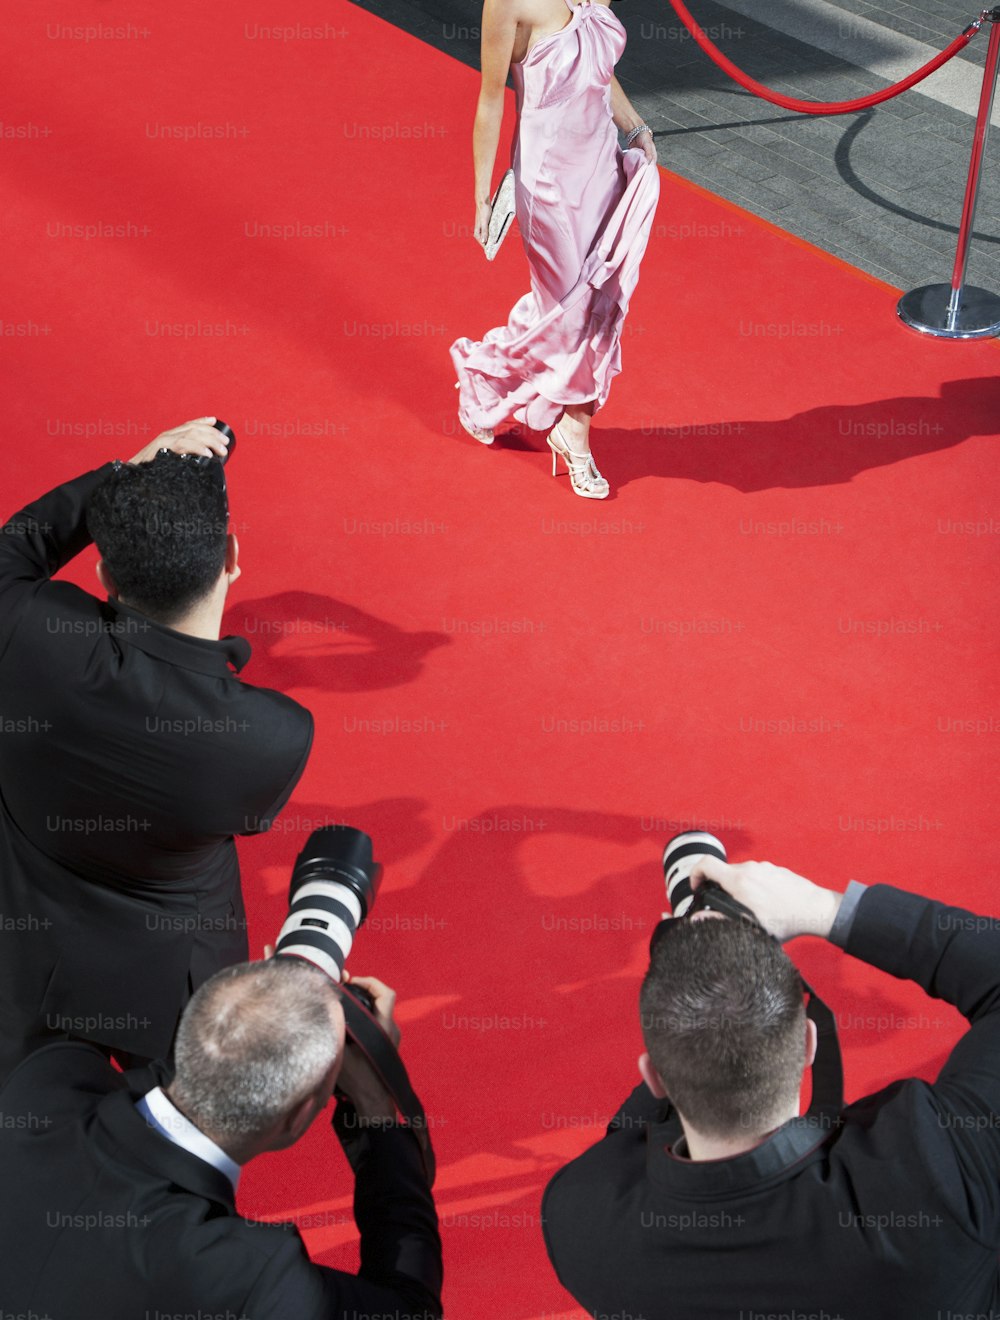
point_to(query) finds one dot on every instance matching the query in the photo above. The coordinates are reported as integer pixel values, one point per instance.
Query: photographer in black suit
(709, 1198)
(132, 753)
(118, 1191)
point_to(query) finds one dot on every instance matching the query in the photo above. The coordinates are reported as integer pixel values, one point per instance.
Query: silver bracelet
(642, 128)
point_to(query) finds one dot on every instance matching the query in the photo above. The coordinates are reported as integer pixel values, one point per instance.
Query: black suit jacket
(130, 756)
(895, 1216)
(100, 1215)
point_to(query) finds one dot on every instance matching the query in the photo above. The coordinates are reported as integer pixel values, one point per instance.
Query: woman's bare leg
(574, 426)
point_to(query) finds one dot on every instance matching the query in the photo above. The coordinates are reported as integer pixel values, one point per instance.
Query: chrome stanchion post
(960, 311)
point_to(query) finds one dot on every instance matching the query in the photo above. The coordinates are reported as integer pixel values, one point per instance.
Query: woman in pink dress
(584, 208)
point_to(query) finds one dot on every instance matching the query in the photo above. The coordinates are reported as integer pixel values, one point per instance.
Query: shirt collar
(779, 1156)
(160, 1113)
(199, 653)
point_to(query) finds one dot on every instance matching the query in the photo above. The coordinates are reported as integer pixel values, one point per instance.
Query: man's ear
(295, 1123)
(233, 569)
(651, 1077)
(812, 1036)
(106, 580)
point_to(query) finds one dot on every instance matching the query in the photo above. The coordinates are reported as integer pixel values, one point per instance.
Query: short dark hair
(723, 1020)
(161, 529)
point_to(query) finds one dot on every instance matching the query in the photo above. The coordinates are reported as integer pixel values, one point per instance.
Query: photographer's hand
(784, 903)
(197, 437)
(358, 1079)
(385, 1003)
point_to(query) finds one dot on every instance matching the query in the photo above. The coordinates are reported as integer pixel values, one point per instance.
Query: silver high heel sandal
(583, 474)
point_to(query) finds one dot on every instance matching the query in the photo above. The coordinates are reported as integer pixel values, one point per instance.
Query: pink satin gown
(585, 210)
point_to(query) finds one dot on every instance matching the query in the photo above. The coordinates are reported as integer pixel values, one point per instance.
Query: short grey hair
(254, 1041)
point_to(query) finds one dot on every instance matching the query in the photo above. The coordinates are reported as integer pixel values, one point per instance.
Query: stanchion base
(926, 310)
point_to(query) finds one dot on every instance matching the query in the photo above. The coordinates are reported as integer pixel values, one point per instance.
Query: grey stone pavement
(882, 188)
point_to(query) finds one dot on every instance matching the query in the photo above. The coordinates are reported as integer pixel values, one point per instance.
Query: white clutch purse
(501, 215)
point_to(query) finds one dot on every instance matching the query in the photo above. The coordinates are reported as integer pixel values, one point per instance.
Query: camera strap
(367, 1035)
(828, 1066)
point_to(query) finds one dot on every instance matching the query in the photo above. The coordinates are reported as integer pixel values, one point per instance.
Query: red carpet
(782, 626)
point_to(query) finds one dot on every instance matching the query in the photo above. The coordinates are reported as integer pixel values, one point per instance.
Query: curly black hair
(160, 528)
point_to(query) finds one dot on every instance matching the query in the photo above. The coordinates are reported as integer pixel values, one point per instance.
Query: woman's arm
(625, 117)
(499, 31)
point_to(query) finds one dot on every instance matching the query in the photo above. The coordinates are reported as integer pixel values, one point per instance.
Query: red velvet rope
(818, 107)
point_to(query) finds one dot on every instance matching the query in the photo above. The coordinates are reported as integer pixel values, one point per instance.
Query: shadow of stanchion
(302, 639)
(846, 170)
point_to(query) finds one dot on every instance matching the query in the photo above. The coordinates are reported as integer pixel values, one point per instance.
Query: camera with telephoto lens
(203, 460)
(229, 434)
(680, 857)
(213, 462)
(332, 890)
